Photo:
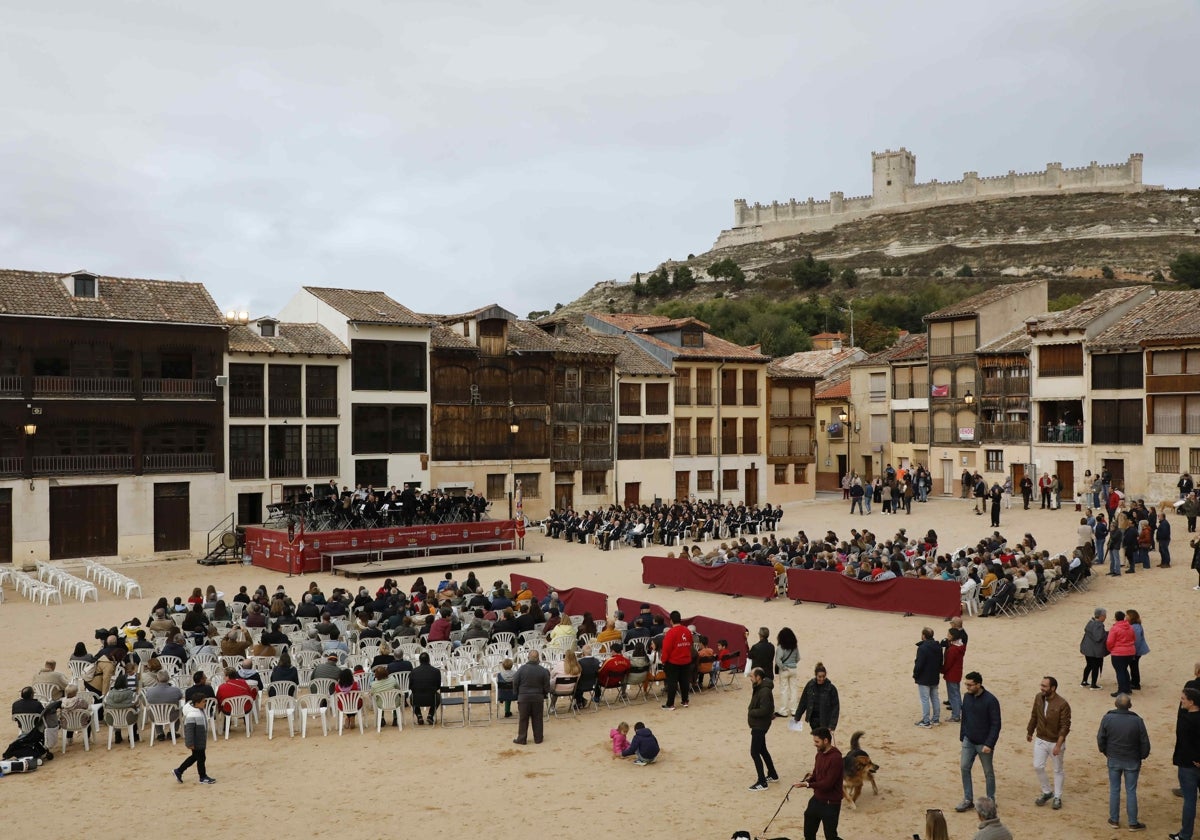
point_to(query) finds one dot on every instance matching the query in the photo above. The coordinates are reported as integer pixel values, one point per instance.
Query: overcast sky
(460, 153)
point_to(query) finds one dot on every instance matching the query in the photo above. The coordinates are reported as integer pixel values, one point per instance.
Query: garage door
(83, 521)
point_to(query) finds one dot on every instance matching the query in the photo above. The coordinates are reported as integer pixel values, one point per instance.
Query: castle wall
(895, 192)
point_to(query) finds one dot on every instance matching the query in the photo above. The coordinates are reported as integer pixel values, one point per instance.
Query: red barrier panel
(271, 549)
(577, 600)
(730, 579)
(941, 598)
(712, 628)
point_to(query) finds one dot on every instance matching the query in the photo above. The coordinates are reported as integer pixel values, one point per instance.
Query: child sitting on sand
(644, 746)
(620, 738)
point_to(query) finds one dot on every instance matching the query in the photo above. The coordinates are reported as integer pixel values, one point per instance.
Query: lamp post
(30, 429)
(513, 428)
(844, 417)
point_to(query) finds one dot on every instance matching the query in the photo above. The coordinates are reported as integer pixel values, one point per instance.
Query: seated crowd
(661, 524)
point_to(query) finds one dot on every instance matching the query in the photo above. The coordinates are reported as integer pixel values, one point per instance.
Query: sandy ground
(462, 782)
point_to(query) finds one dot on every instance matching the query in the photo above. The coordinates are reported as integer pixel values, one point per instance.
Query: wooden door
(83, 521)
(6, 532)
(948, 478)
(633, 493)
(751, 488)
(1065, 470)
(1018, 473)
(1116, 470)
(172, 517)
(683, 485)
(564, 497)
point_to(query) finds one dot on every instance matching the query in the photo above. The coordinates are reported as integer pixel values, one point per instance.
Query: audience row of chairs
(67, 583)
(112, 580)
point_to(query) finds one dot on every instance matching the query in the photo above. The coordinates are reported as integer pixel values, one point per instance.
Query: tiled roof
(714, 349)
(1016, 341)
(812, 363)
(1081, 315)
(972, 305)
(907, 347)
(368, 307)
(633, 322)
(1167, 316)
(444, 338)
(290, 338)
(44, 294)
(631, 358)
(836, 387)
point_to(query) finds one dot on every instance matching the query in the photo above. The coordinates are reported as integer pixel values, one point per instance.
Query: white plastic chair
(388, 700)
(77, 721)
(310, 706)
(281, 705)
(26, 722)
(121, 720)
(238, 708)
(164, 715)
(349, 705)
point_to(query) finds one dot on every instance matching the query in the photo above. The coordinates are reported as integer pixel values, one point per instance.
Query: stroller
(26, 753)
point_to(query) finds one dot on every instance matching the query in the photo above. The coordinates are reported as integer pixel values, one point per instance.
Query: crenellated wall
(893, 181)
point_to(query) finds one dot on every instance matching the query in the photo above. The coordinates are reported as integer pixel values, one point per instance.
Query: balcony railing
(169, 462)
(285, 467)
(704, 396)
(739, 446)
(631, 409)
(1071, 369)
(329, 466)
(1005, 385)
(791, 409)
(920, 434)
(565, 452)
(179, 389)
(791, 449)
(683, 446)
(954, 390)
(1060, 434)
(593, 394)
(705, 446)
(960, 346)
(245, 406)
(11, 386)
(1012, 430)
(321, 406)
(945, 435)
(902, 434)
(657, 407)
(597, 413)
(683, 395)
(567, 395)
(12, 466)
(245, 468)
(82, 386)
(907, 390)
(81, 464)
(599, 451)
(284, 406)
(656, 450)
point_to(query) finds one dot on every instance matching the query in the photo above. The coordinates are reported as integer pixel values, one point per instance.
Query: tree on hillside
(658, 284)
(873, 336)
(537, 313)
(639, 288)
(729, 270)
(1186, 268)
(682, 279)
(964, 271)
(809, 273)
(849, 277)
(1064, 302)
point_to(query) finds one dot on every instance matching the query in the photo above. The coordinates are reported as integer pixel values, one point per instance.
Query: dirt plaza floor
(468, 782)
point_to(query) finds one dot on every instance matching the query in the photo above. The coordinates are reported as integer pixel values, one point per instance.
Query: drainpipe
(720, 437)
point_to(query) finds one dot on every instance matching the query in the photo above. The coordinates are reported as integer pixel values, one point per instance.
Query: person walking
(1162, 535)
(759, 715)
(1186, 758)
(1125, 743)
(978, 733)
(1049, 725)
(1093, 648)
(825, 781)
(195, 736)
(1116, 539)
(856, 497)
(787, 660)
(819, 703)
(676, 659)
(1140, 649)
(531, 685)
(1122, 647)
(996, 495)
(927, 673)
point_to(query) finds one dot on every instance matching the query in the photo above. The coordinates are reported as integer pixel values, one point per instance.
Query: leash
(777, 810)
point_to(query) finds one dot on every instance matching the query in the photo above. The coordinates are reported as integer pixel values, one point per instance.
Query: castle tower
(891, 174)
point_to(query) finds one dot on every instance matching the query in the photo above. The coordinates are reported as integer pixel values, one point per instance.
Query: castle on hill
(894, 188)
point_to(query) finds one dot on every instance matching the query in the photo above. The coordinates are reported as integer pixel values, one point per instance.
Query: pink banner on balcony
(940, 598)
(577, 600)
(712, 629)
(939, 390)
(730, 579)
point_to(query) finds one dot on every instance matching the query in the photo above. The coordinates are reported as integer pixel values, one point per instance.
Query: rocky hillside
(1082, 241)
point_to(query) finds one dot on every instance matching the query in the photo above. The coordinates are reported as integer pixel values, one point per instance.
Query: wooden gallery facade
(111, 422)
(511, 400)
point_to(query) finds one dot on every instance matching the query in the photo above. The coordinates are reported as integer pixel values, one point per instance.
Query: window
(85, 286)
(692, 338)
(1061, 360)
(283, 390)
(371, 472)
(320, 388)
(322, 451)
(1166, 459)
(284, 452)
(268, 329)
(749, 387)
(1194, 460)
(878, 387)
(781, 473)
(704, 481)
(496, 483)
(388, 428)
(594, 482)
(631, 399)
(1174, 414)
(1116, 421)
(729, 479)
(995, 460)
(246, 390)
(245, 451)
(387, 366)
(530, 487)
(656, 398)
(799, 474)
(170, 439)
(1117, 370)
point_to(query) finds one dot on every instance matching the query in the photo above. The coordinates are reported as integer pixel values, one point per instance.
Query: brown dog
(857, 770)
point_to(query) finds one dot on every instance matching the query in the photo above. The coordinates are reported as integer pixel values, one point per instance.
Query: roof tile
(368, 307)
(44, 294)
(308, 339)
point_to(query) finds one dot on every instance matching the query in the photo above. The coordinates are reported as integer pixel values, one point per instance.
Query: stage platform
(298, 552)
(413, 563)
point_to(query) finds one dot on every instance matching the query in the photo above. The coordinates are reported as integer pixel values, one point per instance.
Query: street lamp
(968, 397)
(844, 417)
(30, 429)
(513, 428)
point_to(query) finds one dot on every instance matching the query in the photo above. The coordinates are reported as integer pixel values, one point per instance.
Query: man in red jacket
(952, 671)
(676, 659)
(825, 781)
(1122, 649)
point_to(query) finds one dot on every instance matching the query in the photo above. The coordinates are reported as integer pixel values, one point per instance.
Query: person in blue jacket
(644, 746)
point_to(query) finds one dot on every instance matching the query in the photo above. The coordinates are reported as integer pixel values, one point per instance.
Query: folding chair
(453, 696)
(563, 687)
(730, 671)
(479, 694)
(636, 679)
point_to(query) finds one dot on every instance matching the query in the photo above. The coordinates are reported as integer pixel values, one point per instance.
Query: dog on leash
(857, 770)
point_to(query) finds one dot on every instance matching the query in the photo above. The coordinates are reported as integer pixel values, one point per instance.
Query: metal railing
(322, 466)
(704, 396)
(791, 449)
(12, 466)
(683, 395)
(82, 386)
(631, 409)
(245, 406)
(705, 446)
(321, 406)
(1060, 434)
(285, 467)
(11, 386)
(959, 346)
(655, 407)
(166, 462)
(179, 389)
(81, 464)
(1007, 430)
(792, 409)
(284, 406)
(683, 446)
(245, 468)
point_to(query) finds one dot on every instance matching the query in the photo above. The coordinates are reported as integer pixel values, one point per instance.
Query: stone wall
(895, 190)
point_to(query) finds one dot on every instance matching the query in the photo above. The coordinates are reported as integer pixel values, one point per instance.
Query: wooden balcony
(82, 464)
(245, 468)
(327, 466)
(960, 346)
(83, 386)
(285, 467)
(1005, 431)
(791, 409)
(179, 462)
(284, 406)
(791, 449)
(12, 466)
(321, 407)
(12, 386)
(179, 389)
(245, 406)
(1001, 386)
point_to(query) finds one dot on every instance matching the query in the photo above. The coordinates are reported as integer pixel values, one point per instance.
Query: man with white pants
(1049, 725)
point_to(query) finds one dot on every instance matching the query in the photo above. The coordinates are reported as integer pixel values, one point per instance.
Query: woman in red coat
(1122, 647)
